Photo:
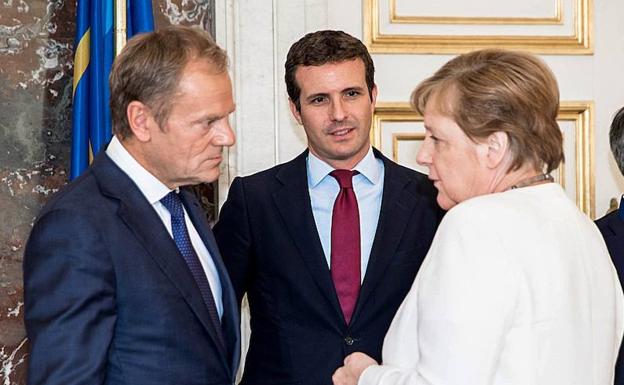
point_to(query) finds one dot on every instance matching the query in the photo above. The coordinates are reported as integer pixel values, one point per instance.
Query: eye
(318, 100)
(208, 123)
(352, 93)
(433, 138)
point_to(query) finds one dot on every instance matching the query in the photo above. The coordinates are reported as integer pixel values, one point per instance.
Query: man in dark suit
(612, 225)
(327, 245)
(123, 280)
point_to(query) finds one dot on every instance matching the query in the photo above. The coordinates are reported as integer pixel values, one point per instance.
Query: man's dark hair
(322, 47)
(616, 139)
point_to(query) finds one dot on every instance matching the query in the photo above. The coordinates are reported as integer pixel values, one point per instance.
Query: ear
(140, 120)
(295, 112)
(497, 145)
(374, 96)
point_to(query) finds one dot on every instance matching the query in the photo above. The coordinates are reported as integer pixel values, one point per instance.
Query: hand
(354, 365)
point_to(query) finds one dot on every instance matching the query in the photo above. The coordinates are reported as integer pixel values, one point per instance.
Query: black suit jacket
(110, 300)
(270, 245)
(612, 228)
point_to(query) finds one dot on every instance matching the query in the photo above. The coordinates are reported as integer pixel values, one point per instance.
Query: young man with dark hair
(326, 245)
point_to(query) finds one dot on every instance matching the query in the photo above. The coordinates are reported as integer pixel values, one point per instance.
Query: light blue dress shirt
(368, 188)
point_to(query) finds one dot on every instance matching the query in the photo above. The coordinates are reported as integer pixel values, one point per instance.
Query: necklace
(533, 180)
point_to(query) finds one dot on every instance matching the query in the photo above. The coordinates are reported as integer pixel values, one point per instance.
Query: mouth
(216, 158)
(341, 132)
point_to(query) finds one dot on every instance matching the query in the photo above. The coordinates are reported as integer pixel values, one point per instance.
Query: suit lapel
(615, 243)
(397, 205)
(616, 225)
(230, 320)
(146, 225)
(293, 204)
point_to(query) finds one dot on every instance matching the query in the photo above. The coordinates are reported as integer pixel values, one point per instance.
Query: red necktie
(345, 243)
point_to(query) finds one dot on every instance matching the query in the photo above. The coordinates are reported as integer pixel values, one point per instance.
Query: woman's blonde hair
(494, 90)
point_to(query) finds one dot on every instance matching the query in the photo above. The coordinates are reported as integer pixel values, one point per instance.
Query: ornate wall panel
(454, 26)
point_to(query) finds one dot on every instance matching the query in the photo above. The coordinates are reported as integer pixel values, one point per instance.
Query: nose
(225, 136)
(338, 112)
(423, 156)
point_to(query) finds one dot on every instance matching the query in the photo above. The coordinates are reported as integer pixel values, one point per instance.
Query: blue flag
(93, 58)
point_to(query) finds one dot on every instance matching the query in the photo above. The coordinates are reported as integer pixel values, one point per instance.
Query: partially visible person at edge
(326, 245)
(123, 281)
(612, 225)
(518, 287)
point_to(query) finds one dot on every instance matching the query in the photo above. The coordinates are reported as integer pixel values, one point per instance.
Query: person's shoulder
(605, 219)
(268, 173)
(77, 206)
(406, 171)
(486, 208)
(418, 181)
(77, 194)
(604, 222)
(520, 208)
(485, 224)
(294, 167)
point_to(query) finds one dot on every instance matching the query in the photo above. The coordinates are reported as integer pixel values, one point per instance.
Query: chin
(347, 154)
(211, 176)
(445, 203)
(205, 177)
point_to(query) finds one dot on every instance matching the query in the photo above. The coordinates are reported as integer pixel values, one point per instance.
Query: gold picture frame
(580, 113)
(556, 18)
(580, 43)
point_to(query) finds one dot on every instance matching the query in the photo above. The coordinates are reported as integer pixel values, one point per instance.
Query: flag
(93, 58)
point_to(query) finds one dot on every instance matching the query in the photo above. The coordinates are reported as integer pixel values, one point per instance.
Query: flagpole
(120, 25)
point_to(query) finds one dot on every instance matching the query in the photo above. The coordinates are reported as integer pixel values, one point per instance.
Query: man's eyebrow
(314, 96)
(214, 116)
(354, 88)
(325, 94)
(206, 117)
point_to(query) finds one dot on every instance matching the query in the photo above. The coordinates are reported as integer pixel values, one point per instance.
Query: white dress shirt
(368, 188)
(154, 190)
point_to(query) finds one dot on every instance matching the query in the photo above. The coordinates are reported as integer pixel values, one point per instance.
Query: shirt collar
(369, 167)
(152, 188)
(621, 208)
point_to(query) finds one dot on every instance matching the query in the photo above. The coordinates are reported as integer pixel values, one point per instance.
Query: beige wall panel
(448, 26)
(536, 11)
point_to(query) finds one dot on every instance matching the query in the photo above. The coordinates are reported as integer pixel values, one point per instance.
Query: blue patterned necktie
(181, 237)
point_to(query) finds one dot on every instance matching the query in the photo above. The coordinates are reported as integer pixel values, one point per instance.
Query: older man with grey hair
(123, 281)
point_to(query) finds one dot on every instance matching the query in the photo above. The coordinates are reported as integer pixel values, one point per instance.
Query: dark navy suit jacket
(270, 245)
(612, 228)
(110, 300)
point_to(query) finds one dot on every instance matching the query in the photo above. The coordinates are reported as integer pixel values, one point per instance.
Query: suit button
(349, 340)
